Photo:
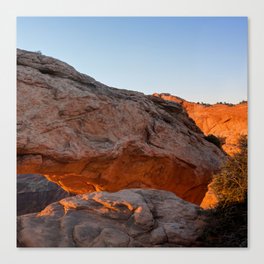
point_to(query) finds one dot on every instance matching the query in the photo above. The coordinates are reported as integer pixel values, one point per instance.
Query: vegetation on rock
(225, 103)
(215, 140)
(230, 185)
(243, 102)
(227, 223)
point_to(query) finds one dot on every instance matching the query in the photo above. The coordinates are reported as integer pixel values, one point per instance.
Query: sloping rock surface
(128, 218)
(35, 192)
(222, 120)
(86, 136)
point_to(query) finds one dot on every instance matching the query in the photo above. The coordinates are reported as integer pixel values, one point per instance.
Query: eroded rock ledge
(86, 136)
(128, 218)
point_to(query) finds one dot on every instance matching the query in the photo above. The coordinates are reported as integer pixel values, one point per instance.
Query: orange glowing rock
(222, 120)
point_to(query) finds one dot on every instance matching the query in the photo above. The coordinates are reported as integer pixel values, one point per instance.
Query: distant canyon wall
(222, 120)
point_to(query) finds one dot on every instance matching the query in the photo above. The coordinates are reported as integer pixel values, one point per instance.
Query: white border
(12, 8)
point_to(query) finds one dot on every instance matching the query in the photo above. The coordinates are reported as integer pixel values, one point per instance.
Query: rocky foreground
(86, 136)
(128, 218)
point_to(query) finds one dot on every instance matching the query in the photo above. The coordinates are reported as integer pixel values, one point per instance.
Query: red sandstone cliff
(222, 120)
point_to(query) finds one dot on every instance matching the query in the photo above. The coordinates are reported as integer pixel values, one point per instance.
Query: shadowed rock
(86, 136)
(35, 192)
(128, 218)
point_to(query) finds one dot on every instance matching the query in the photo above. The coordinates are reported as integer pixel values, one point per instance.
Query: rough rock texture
(35, 192)
(128, 218)
(225, 121)
(87, 136)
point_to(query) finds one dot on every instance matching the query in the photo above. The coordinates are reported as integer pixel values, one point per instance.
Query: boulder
(35, 192)
(86, 136)
(128, 218)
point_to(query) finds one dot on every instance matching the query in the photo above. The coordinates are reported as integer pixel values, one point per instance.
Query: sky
(201, 59)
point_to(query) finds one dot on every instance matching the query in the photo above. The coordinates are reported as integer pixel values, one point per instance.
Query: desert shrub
(227, 223)
(205, 104)
(230, 184)
(226, 226)
(215, 140)
(225, 103)
(243, 102)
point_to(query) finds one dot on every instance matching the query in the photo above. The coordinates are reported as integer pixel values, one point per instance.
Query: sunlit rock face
(35, 192)
(224, 121)
(86, 136)
(128, 218)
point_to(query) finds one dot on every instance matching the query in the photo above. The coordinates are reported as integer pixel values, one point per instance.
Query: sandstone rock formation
(35, 192)
(128, 218)
(224, 121)
(88, 137)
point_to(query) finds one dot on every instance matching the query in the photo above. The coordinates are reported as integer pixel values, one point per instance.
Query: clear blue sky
(199, 59)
